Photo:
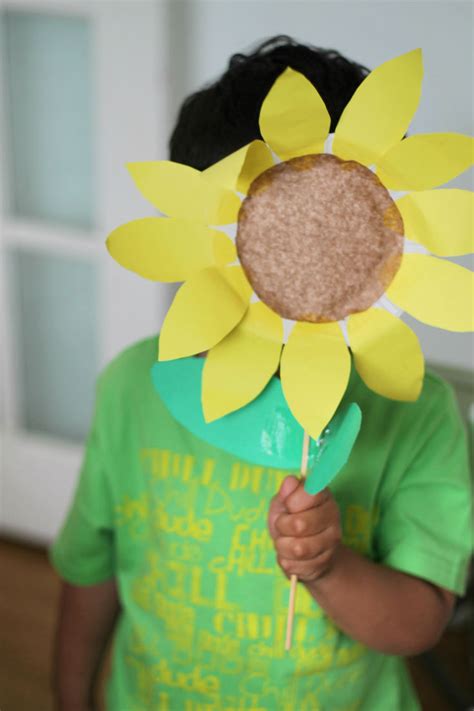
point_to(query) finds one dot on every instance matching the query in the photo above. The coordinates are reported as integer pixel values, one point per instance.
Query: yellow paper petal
(180, 191)
(169, 249)
(380, 111)
(440, 220)
(434, 291)
(239, 169)
(294, 120)
(205, 309)
(315, 368)
(425, 161)
(387, 354)
(238, 368)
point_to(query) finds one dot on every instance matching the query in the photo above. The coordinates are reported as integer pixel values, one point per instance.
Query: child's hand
(305, 529)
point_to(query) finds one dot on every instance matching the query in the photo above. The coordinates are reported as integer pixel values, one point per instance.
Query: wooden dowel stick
(294, 579)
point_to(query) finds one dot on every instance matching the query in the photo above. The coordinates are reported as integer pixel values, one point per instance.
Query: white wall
(206, 32)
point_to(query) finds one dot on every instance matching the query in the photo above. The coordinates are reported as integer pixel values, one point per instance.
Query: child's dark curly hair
(223, 116)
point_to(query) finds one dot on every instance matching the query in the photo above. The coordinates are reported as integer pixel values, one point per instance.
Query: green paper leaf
(333, 447)
(264, 432)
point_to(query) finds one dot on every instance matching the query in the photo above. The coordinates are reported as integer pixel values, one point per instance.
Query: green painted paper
(333, 448)
(264, 432)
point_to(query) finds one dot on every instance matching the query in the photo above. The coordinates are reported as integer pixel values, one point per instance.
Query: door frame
(38, 473)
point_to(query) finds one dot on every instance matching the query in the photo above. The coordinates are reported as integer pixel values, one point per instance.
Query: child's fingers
(289, 548)
(307, 570)
(300, 500)
(305, 529)
(305, 523)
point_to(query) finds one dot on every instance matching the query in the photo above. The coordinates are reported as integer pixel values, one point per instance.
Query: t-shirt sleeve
(83, 552)
(425, 524)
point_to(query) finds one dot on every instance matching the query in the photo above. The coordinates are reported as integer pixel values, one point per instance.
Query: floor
(29, 592)
(28, 596)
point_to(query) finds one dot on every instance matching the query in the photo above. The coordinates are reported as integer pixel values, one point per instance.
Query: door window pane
(55, 307)
(49, 95)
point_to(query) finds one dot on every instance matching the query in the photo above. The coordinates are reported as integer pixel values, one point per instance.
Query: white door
(82, 93)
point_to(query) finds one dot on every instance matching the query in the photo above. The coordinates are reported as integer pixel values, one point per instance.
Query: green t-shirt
(182, 527)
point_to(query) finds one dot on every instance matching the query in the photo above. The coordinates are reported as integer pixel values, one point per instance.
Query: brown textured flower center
(319, 238)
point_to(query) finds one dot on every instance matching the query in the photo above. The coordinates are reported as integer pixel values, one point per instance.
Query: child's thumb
(288, 486)
(277, 504)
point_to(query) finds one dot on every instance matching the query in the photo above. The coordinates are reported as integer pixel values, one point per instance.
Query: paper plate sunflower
(293, 248)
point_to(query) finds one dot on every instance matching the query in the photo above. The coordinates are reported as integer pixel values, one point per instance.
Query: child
(167, 537)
